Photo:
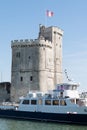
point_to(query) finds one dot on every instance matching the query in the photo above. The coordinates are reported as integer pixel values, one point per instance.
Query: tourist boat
(62, 105)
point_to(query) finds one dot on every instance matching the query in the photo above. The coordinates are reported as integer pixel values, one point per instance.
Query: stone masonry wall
(36, 64)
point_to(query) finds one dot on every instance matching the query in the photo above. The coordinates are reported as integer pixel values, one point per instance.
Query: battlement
(31, 42)
(58, 30)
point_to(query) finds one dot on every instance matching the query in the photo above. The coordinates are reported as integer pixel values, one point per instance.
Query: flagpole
(48, 14)
(45, 17)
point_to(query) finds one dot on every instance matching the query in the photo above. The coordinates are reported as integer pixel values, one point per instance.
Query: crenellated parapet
(31, 43)
(58, 31)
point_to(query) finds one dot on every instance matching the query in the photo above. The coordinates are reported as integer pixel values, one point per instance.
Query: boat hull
(51, 117)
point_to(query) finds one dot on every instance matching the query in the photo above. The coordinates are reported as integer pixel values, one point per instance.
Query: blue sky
(20, 19)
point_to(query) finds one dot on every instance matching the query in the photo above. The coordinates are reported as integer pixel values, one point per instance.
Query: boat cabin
(65, 95)
(67, 90)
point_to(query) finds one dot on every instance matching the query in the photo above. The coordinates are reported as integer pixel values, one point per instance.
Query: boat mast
(67, 77)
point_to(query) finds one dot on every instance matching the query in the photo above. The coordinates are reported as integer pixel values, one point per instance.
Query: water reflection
(6, 124)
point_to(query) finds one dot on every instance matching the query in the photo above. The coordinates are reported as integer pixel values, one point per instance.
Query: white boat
(64, 104)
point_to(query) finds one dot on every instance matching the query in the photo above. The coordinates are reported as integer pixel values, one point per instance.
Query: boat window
(74, 87)
(40, 101)
(55, 102)
(61, 94)
(62, 102)
(25, 102)
(70, 87)
(77, 101)
(47, 102)
(67, 87)
(73, 101)
(81, 102)
(33, 102)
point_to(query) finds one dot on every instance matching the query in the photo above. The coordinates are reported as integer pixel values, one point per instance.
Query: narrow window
(18, 54)
(21, 79)
(31, 78)
(29, 57)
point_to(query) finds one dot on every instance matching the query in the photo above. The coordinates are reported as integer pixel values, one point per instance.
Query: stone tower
(36, 64)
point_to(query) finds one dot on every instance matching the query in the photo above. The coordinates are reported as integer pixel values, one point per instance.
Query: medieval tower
(37, 64)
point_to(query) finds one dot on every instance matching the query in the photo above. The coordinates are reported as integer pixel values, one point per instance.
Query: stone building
(37, 64)
(5, 91)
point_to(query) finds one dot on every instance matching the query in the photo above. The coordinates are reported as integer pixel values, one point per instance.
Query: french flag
(49, 13)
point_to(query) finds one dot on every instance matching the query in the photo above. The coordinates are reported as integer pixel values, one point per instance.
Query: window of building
(29, 57)
(33, 102)
(21, 79)
(25, 102)
(18, 54)
(47, 38)
(54, 32)
(60, 46)
(31, 78)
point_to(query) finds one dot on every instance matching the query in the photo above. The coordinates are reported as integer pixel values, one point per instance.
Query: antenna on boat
(67, 77)
(1, 76)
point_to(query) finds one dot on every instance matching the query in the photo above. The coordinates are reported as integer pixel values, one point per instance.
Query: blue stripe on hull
(52, 117)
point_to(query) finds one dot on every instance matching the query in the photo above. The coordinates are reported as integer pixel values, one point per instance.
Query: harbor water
(8, 124)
